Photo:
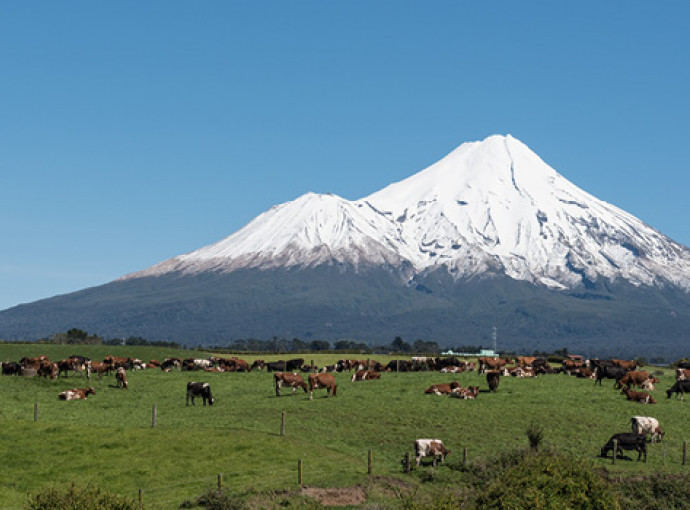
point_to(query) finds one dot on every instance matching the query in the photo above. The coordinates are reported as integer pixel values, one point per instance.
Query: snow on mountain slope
(490, 206)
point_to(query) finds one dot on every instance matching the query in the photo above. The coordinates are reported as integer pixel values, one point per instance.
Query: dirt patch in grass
(336, 496)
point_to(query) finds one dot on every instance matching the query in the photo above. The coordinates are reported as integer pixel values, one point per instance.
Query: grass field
(109, 439)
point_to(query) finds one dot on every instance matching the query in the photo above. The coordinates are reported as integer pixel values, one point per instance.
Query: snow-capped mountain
(488, 207)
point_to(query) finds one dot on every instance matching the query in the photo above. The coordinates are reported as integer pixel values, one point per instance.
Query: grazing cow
(121, 377)
(75, 363)
(679, 388)
(365, 375)
(465, 393)
(100, 368)
(259, 364)
(636, 378)
(327, 381)
(609, 372)
(525, 361)
(647, 425)
(47, 369)
(76, 394)
(486, 364)
(170, 363)
(627, 441)
(289, 379)
(199, 389)
(682, 374)
(570, 364)
(430, 448)
(399, 365)
(493, 378)
(638, 396)
(11, 368)
(442, 389)
(626, 364)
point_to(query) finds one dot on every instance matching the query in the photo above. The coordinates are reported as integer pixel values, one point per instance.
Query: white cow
(647, 425)
(430, 448)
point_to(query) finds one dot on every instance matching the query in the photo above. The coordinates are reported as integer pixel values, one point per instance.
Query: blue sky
(131, 132)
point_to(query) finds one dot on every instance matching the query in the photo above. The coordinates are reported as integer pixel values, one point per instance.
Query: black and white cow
(199, 389)
(679, 388)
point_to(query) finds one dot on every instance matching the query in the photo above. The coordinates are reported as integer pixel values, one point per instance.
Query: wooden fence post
(220, 481)
(464, 455)
(154, 416)
(408, 466)
(299, 472)
(141, 499)
(282, 423)
(370, 464)
(685, 452)
(36, 411)
(615, 450)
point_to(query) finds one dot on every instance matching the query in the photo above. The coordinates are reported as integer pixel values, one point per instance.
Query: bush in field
(661, 490)
(544, 479)
(74, 497)
(535, 434)
(221, 500)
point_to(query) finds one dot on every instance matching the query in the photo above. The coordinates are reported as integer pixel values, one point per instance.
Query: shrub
(74, 497)
(545, 479)
(221, 500)
(535, 434)
(661, 490)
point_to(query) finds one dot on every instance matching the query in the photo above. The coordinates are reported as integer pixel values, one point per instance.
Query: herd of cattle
(625, 373)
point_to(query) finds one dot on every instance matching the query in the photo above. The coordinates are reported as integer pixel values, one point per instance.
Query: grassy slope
(108, 438)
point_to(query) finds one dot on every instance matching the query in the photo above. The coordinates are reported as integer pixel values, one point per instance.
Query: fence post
(154, 416)
(36, 411)
(370, 464)
(685, 451)
(220, 481)
(282, 423)
(464, 455)
(141, 499)
(299, 472)
(615, 450)
(397, 366)
(408, 467)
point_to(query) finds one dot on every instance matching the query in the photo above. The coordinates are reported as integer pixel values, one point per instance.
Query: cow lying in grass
(638, 396)
(465, 393)
(365, 375)
(442, 389)
(76, 394)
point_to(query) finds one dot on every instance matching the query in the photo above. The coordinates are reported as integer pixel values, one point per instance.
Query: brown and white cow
(682, 374)
(525, 361)
(291, 379)
(365, 375)
(486, 364)
(492, 379)
(121, 378)
(638, 396)
(430, 448)
(321, 380)
(626, 364)
(76, 394)
(442, 388)
(100, 368)
(647, 425)
(636, 378)
(47, 369)
(465, 393)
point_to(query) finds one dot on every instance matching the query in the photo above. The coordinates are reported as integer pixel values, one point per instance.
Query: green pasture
(109, 439)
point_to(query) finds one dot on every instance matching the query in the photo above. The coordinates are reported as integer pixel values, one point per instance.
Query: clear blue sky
(131, 132)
